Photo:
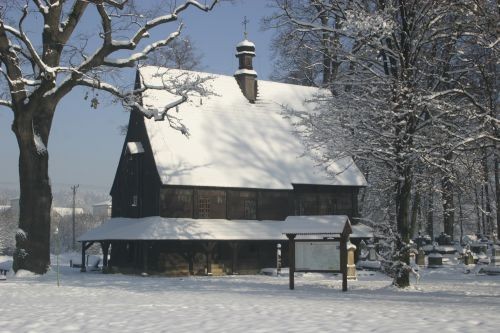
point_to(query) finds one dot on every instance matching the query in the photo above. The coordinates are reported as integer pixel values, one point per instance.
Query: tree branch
(74, 16)
(11, 61)
(5, 103)
(100, 57)
(130, 61)
(142, 32)
(41, 7)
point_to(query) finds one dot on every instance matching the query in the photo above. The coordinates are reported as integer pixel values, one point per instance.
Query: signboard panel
(317, 256)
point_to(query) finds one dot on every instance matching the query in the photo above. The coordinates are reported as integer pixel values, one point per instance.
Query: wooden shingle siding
(255, 204)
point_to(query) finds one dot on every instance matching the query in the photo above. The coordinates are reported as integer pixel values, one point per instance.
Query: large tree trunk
(497, 189)
(403, 222)
(476, 209)
(414, 213)
(448, 206)
(403, 204)
(447, 195)
(430, 212)
(486, 184)
(32, 129)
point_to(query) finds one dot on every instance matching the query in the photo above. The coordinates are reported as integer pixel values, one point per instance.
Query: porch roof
(160, 228)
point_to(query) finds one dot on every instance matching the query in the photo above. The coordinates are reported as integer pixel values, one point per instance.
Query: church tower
(245, 75)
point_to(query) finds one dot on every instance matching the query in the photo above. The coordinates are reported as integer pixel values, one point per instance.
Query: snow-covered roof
(234, 143)
(361, 231)
(161, 228)
(245, 71)
(104, 203)
(245, 42)
(64, 211)
(327, 224)
(245, 52)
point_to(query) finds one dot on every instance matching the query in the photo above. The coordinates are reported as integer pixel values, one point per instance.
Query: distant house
(61, 211)
(102, 209)
(215, 202)
(67, 211)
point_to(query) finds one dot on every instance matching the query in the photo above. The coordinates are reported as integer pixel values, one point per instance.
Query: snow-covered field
(445, 300)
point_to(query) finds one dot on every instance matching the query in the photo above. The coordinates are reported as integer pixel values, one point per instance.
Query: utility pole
(74, 195)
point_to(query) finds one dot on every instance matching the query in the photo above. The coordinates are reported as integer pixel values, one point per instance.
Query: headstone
(420, 260)
(422, 240)
(478, 247)
(363, 250)
(468, 258)
(495, 256)
(444, 239)
(372, 254)
(435, 259)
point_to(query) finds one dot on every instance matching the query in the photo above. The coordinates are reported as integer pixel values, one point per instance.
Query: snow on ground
(445, 300)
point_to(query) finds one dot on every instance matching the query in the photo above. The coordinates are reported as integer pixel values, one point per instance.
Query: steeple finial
(245, 21)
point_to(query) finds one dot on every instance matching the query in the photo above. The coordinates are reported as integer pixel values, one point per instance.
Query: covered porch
(182, 246)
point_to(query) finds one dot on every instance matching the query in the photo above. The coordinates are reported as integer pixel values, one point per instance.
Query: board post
(291, 260)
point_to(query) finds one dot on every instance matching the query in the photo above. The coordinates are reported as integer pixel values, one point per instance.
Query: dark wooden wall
(252, 204)
(136, 175)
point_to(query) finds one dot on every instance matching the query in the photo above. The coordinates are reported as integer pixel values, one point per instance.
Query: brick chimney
(245, 75)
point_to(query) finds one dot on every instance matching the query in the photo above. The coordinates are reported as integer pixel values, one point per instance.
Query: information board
(317, 256)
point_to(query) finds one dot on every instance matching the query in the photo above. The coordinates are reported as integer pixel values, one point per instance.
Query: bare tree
(42, 66)
(402, 104)
(179, 54)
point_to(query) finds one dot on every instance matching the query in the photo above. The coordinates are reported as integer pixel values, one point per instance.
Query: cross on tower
(245, 21)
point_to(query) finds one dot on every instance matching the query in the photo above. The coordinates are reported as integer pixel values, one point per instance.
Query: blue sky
(85, 144)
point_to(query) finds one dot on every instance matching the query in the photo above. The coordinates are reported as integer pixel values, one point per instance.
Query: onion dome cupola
(245, 75)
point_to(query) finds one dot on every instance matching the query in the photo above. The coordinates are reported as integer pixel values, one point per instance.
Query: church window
(250, 209)
(306, 204)
(204, 207)
(327, 204)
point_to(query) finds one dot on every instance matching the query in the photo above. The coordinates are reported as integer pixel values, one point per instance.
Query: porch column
(343, 260)
(83, 267)
(234, 263)
(190, 257)
(105, 252)
(209, 247)
(291, 256)
(145, 256)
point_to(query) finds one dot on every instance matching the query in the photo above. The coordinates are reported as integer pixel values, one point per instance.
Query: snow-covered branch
(180, 87)
(32, 51)
(132, 60)
(5, 103)
(11, 61)
(143, 31)
(41, 7)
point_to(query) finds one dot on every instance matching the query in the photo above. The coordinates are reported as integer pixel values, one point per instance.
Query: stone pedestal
(351, 266)
(434, 260)
(495, 256)
(372, 254)
(468, 258)
(420, 258)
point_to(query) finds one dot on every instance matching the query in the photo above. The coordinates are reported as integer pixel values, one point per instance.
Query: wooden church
(214, 202)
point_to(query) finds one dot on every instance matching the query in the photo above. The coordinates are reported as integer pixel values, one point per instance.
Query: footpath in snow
(445, 300)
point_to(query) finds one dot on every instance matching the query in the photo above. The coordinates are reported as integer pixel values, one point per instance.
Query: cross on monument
(245, 21)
